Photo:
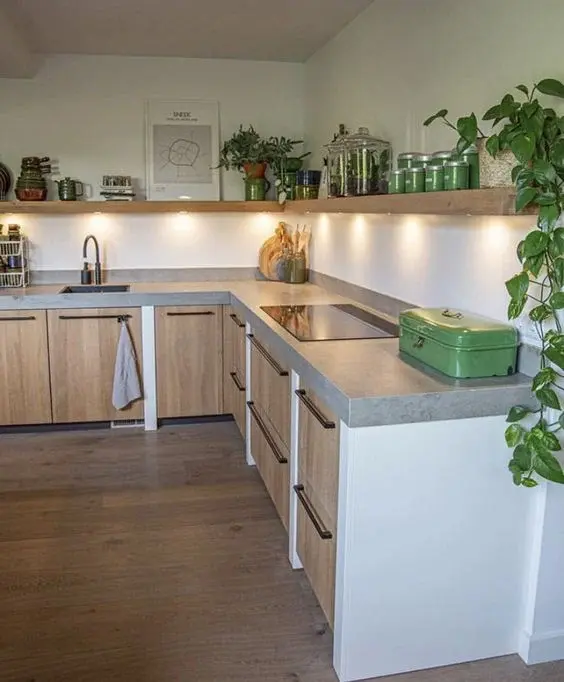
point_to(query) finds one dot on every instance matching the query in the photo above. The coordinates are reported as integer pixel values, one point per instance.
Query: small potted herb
(247, 152)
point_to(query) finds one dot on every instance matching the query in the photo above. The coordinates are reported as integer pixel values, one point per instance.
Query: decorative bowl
(31, 194)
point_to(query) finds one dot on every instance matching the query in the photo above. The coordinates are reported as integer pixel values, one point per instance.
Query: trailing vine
(535, 135)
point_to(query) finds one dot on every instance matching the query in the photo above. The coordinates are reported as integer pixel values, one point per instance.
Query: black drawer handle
(237, 320)
(324, 534)
(236, 381)
(193, 312)
(119, 318)
(266, 355)
(17, 319)
(269, 439)
(315, 411)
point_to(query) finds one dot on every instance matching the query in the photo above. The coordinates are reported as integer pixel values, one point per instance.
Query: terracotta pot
(254, 170)
(495, 172)
(31, 194)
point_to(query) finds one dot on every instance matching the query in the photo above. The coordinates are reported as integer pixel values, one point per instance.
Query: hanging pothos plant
(535, 135)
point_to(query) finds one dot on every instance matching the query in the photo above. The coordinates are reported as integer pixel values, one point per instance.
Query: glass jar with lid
(358, 163)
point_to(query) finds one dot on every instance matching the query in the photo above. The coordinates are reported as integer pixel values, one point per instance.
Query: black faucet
(97, 264)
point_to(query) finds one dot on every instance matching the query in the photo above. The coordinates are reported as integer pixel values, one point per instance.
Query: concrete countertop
(365, 382)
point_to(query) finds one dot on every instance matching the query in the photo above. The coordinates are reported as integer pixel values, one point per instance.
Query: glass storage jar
(397, 182)
(358, 163)
(414, 180)
(410, 160)
(471, 157)
(434, 178)
(440, 158)
(456, 175)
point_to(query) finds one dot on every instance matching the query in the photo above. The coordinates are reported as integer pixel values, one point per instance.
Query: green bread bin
(459, 344)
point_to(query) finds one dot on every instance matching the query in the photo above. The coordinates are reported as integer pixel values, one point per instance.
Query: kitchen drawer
(270, 388)
(236, 385)
(317, 493)
(271, 458)
(239, 339)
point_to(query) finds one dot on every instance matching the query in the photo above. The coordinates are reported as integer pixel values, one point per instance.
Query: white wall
(393, 66)
(88, 114)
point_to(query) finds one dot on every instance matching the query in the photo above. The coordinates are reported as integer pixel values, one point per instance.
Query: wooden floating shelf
(478, 202)
(139, 207)
(475, 202)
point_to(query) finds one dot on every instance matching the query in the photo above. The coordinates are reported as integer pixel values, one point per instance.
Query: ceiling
(278, 30)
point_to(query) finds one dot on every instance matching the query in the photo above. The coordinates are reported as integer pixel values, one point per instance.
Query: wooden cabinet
(234, 367)
(270, 389)
(189, 361)
(317, 491)
(82, 353)
(25, 396)
(272, 462)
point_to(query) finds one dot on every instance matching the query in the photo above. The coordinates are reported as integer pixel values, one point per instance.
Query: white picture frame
(182, 150)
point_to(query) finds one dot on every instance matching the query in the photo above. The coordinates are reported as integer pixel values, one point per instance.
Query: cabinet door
(317, 491)
(25, 396)
(189, 342)
(270, 388)
(234, 393)
(82, 353)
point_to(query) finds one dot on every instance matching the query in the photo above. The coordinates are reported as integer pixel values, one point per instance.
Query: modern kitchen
(280, 341)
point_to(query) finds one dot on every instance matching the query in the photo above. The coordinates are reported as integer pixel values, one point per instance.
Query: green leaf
(528, 482)
(462, 145)
(524, 89)
(546, 198)
(550, 86)
(544, 378)
(517, 413)
(524, 197)
(544, 171)
(515, 469)
(540, 313)
(492, 112)
(523, 147)
(557, 237)
(555, 356)
(467, 127)
(515, 170)
(492, 145)
(561, 420)
(557, 300)
(514, 435)
(535, 243)
(522, 457)
(440, 114)
(518, 285)
(554, 339)
(548, 216)
(557, 153)
(515, 308)
(551, 441)
(558, 271)
(530, 108)
(546, 396)
(534, 264)
(547, 466)
(519, 250)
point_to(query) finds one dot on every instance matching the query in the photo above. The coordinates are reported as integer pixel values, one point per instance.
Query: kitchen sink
(95, 289)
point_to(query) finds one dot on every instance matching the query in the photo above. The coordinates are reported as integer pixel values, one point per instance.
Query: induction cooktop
(336, 322)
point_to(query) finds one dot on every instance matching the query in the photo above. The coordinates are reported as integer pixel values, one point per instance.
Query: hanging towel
(126, 378)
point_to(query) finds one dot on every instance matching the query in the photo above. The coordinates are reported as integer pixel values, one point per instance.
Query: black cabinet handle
(269, 439)
(193, 312)
(17, 319)
(119, 318)
(237, 320)
(236, 381)
(315, 411)
(266, 355)
(323, 533)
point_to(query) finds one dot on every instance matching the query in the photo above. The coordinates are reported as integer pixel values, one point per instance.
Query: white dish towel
(126, 377)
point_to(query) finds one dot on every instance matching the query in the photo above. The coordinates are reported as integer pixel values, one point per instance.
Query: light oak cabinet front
(25, 396)
(189, 342)
(234, 367)
(317, 490)
(82, 354)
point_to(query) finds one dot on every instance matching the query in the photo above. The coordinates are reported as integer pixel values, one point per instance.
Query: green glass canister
(397, 182)
(440, 158)
(409, 160)
(434, 178)
(456, 175)
(425, 160)
(414, 180)
(471, 157)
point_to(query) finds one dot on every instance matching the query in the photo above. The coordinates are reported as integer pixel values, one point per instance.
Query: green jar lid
(398, 171)
(457, 164)
(472, 149)
(425, 157)
(444, 155)
(410, 155)
(415, 169)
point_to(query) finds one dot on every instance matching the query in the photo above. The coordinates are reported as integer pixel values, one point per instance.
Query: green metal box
(459, 344)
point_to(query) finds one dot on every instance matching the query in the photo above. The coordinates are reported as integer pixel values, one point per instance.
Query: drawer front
(270, 389)
(271, 458)
(238, 403)
(239, 339)
(316, 545)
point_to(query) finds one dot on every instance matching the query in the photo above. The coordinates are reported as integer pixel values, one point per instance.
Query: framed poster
(182, 150)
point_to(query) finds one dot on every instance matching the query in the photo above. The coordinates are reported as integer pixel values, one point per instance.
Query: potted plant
(247, 152)
(535, 136)
(284, 166)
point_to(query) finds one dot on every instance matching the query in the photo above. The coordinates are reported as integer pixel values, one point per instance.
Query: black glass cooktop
(330, 322)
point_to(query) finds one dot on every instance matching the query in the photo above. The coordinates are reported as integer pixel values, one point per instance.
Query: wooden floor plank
(158, 557)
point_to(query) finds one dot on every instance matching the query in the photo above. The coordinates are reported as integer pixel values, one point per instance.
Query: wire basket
(14, 268)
